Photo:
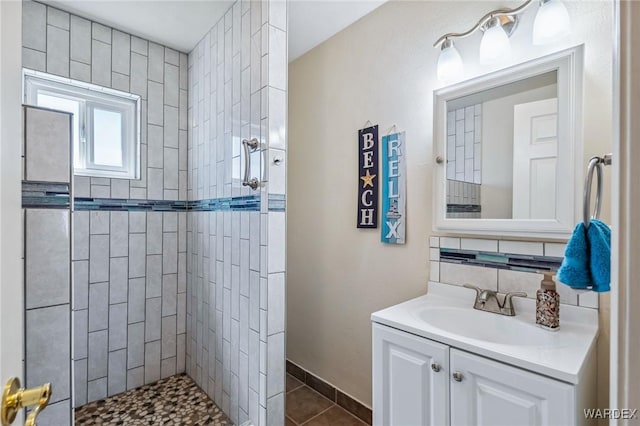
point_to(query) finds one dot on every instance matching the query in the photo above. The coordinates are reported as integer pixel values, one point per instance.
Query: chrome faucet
(489, 301)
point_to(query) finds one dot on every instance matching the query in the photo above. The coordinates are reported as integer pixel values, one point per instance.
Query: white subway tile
(80, 39)
(554, 249)
(34, 59)
(156, 62)
(434, 254)
(100, 32)
(48, 345)
(171, 127)
(521, 247)
(47, 268)
(451, 273)
(80, 71)
(118, 327)
(152, 362)
(136, 301)
(477, 244)
(139, 75)
(511, 281)
(120, 82)
(139, 45)
(434, 271)
(589, 299)
(34, 25)
(99, 261)
(121, 52)
(171, 169)
(567, 295)
(171, 85)
(450, 242)
(155, 103)
(118, 280)
(47, 138)
(98, 307)
(100, 63)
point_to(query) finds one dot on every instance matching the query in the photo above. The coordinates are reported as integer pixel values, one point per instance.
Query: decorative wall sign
(368, 177)
(394, 180)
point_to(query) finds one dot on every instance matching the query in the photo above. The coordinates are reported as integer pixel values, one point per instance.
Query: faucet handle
(507, 304)
(509, 296)
(473, 287)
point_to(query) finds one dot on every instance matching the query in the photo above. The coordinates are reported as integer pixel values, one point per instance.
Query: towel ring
(595, 165)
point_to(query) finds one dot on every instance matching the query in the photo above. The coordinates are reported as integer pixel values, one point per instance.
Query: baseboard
(334, 394)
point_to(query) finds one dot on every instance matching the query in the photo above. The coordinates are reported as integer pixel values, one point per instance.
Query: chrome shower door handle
(249, 146)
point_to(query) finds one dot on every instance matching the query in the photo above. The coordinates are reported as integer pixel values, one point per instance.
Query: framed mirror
(508, 150)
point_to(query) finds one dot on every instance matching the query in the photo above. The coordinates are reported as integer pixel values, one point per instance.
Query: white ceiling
(313, 21)
(180, 24)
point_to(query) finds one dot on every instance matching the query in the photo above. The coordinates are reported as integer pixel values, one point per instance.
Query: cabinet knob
(439, 160)
(435, 367)
(457, 376)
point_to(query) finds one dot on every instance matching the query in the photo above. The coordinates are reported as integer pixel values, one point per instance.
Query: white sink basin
(446, 315)
(486, 326)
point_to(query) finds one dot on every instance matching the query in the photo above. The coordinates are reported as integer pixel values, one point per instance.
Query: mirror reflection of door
(502, 149)
(535, 152)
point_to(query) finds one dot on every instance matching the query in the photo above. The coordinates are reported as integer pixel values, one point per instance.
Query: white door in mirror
(535, 157)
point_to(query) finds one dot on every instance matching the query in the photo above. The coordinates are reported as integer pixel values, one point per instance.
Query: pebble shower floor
(176, 400)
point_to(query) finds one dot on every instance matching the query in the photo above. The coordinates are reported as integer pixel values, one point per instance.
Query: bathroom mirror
(508, 150)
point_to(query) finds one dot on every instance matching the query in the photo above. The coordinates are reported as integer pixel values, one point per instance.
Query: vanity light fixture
(450, 65)
(551, 24)
(495, 43)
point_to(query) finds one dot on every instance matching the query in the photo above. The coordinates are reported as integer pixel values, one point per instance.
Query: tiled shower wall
(70, 46)
(236, 258)
(464, 144)
(129, 304)
(129, 268)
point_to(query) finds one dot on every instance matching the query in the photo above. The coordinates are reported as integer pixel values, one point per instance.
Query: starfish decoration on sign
(367, 179)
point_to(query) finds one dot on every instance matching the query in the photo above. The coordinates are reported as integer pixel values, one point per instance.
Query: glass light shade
(450, 65)
(495, 43)
(552, 22)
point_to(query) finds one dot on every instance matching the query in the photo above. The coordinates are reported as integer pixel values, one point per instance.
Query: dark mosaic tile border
(354, 407)
(56, 195)
(246, 203)
(277, 202)
(514, 262)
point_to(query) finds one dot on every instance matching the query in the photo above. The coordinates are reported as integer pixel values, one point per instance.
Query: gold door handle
(15, 398)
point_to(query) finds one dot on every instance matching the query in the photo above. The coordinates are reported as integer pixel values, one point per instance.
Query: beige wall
(382, 69)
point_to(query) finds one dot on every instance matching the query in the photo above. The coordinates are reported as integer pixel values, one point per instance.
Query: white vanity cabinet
(487, 392)
(410, 379)
(420, 382)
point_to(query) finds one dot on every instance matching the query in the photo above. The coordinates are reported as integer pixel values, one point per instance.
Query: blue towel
(587, 258)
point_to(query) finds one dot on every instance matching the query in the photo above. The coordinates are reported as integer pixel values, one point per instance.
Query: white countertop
(514, 340)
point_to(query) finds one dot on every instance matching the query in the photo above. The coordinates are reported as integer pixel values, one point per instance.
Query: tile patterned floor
(176, 400)
(307, 407)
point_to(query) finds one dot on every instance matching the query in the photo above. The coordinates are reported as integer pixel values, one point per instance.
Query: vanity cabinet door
(410, 379)
(489, 393)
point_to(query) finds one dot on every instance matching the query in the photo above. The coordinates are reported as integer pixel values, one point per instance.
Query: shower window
(106, 123)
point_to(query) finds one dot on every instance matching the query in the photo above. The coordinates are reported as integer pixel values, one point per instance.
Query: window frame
(90, 98)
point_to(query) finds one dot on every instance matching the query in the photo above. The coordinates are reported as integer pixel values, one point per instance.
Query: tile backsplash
(501, 272)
